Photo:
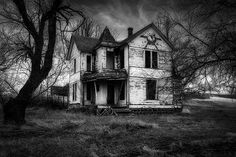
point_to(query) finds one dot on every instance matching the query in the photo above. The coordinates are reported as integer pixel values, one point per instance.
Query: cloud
(118, 15)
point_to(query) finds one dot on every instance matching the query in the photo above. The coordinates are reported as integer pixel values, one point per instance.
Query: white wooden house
(133, 73)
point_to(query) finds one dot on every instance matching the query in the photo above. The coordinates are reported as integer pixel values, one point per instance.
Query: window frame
(151, 52)
(91, 63)
(74, 91)
(156, 94)
(74, 65)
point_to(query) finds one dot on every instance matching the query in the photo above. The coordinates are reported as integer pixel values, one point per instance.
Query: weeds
(203, 131)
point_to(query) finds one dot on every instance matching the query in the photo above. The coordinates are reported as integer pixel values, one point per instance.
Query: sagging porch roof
(114, 74)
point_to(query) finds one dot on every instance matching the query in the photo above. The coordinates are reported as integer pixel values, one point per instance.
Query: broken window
(74, 63)
(89, 65)
(151, 59)
(151, 91)
(74, 91)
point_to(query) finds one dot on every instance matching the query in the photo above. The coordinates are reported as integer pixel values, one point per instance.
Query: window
(110, 60)
(74, 66)
(151, 59)
(147, 59)
(151, 91)
(154, 59)
(122, 64)
(74, 92)
(89, 64)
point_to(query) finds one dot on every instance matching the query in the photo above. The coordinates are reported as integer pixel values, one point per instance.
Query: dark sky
(118, 15)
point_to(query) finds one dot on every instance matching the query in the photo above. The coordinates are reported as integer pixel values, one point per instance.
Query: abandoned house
(133, 73)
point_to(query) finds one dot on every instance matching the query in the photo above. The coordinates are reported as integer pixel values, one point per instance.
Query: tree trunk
(14, 109)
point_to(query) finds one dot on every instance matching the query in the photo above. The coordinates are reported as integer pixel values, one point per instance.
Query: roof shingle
(85, 44)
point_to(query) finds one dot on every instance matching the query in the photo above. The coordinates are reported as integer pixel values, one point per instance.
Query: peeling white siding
(138, 74)
(141, 42)
(101, 59)
(75, 77)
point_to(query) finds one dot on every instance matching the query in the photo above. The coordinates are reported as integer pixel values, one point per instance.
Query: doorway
(110, 94)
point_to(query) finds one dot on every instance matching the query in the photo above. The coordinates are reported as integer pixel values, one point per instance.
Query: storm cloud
(118, 15)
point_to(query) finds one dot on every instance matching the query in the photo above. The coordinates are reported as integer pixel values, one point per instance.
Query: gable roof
(88, 44)
(106, 36)
(151, 25)
(106, 39)
(84, 44)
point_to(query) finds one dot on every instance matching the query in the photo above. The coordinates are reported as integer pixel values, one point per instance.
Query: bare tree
(35, 26)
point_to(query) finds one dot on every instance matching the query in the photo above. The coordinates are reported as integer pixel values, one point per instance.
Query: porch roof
(115, 74)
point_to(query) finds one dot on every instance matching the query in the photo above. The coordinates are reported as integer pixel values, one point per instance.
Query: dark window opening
(94, 63)
(122, 92)
(154, 59)
(151, 59)
(89, 91)
(122, 63)
(110, 60)
(147, 59)
(74, 92)
(74, 65)
(151, 89)
(88, 63)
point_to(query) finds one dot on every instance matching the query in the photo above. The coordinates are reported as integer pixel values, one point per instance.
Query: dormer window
(151, 59)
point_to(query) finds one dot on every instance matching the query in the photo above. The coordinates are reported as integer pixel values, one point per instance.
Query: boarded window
(74, 63)
(89, 65)
(122, 92)
(74, 91)
(122, 63)
(151, 90)
(147, 59)
(89, 86)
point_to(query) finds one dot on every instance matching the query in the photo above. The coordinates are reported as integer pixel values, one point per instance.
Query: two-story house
(134, 73)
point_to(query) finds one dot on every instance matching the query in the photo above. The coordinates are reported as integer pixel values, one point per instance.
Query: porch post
(95, 88)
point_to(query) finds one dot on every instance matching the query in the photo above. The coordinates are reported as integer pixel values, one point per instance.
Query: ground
(204, 128)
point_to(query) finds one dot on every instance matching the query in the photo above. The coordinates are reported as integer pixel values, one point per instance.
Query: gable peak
(106, 36)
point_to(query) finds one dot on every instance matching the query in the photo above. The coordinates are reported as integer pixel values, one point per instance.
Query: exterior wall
(126, 56)
(75, 77)
(138, 74)
(101, 59)
(134, 63)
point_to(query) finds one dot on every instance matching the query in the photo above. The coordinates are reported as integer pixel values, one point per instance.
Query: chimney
(130, 31)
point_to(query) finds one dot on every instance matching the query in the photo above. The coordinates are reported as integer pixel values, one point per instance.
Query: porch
(107, 88)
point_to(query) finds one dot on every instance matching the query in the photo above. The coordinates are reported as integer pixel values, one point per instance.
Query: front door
(110, 94)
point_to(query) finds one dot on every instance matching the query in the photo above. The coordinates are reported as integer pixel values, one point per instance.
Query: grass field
(205, 128)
